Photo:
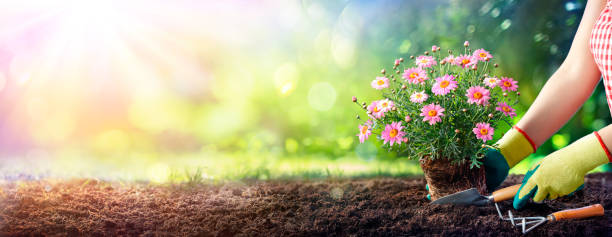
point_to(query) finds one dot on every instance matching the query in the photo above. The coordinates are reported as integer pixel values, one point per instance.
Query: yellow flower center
(483, 55)
(465, 61)
(380, 82)
(364, 129)
(492, 81)
(484, 131)
(432, 113)
(506, 108)
(385, 104)
(393, 133)
(477, 95)
(413, 75)
(376, 109)
(444, 84)
(424, 61)
(507, 84)
(418, 96)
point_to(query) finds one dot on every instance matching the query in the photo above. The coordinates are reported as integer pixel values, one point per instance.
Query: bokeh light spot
(285, 78)
(322, 96)
(560, 140)
(405, 46)
(343, 51)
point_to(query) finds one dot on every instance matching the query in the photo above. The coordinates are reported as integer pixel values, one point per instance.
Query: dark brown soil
(388, 207)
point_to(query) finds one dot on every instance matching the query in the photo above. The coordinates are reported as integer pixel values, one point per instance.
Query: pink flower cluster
(378, 108)
(480, 93)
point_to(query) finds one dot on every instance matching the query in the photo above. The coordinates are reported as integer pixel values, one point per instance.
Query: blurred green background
(171, 91)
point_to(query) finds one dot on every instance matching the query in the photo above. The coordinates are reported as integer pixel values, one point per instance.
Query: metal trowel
(472, 197)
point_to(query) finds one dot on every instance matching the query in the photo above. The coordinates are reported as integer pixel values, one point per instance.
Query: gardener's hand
(562, 172)
(513, 147)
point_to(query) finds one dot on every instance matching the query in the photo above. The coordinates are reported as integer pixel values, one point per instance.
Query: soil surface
(369, 207)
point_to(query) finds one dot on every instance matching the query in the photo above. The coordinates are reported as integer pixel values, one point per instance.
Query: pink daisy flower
(393, 133)
(364, 132)
(507, 84)
(444, 85)
(491, 82)
(380, 83)
(465, 61)
(432, 113)
(506, 109)
(385, 105)
(450, 59)
(415, 75)
(425, 61)
(375, 111)
(478, 95)
(483, 131)
(418, 97)
(482, 55)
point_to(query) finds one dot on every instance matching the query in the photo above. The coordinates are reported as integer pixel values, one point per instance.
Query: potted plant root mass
(441, 108)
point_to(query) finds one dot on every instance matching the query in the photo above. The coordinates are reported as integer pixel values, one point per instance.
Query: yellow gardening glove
(563, 171)
(513, 147)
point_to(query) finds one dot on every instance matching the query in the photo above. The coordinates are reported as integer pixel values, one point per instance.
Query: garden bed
(383, 206)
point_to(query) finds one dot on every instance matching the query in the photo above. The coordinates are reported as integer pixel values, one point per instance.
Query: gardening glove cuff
(563, 171)
(515, 145)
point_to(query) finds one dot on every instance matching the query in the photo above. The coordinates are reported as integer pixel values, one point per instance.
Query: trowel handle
(505, 193)
(583, 212)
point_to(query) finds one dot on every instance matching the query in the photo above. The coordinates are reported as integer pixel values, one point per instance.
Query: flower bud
(452, 96)
(518, 93)
(505, 94)
(358, 117)
(397, 62)
(464, 110)
(364, 107)
(364, 103)
(369, 112)
(483, 145)
(466, 44)
(383, 71)
(457, 131)
(401, 59)
(392, 78)
(411, 56)
(407, 119)
(496, 65)
(458, 140)
(394, 108)
(426, 53)
(394, 67)
(490, 115)
(474, 67)
(432, 71)
(450, 51)
(443, 62)
(398, 72)
(354, 99)
(434, 48)
(406, 139)
(404, 87)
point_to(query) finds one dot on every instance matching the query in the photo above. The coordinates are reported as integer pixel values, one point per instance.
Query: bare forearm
(606, 136)
(556, 103)
(569, 86)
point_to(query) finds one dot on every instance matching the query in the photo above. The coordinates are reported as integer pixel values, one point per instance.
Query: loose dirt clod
(385, 206)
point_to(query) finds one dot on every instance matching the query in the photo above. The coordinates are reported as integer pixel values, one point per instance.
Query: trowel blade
(466, 197)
